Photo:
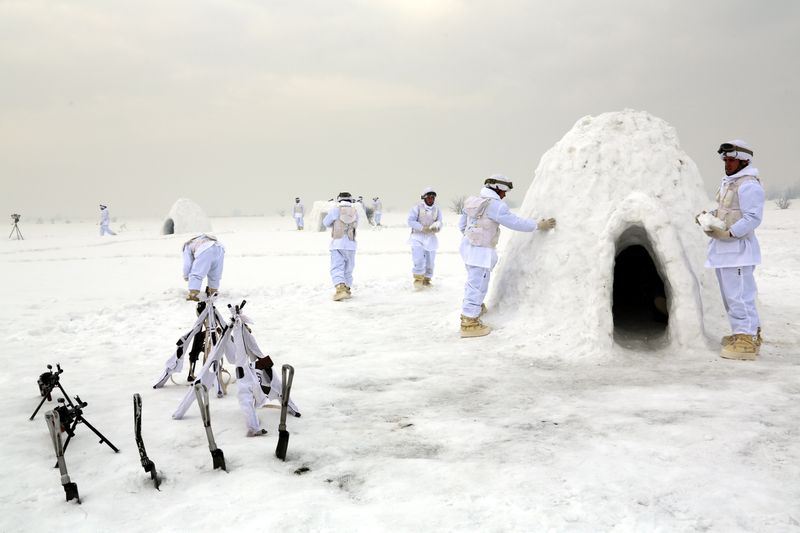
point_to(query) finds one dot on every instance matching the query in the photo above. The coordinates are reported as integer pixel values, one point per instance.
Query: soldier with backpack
(480, 224)
(343, 221)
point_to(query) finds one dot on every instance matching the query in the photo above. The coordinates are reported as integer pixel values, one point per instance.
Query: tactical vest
(480, 230)
(426, 217)
(197, 242)
(729, 210)
(345, 224)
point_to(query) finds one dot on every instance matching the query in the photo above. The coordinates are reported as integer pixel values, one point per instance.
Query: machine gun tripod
(71, 415)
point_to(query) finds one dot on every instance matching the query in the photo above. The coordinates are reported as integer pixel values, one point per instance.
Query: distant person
(734, 251)
(480, 223)
(343, 221)
(298, 211)
(104, 221)
(377, 210)
(425, 221)
(203, 256)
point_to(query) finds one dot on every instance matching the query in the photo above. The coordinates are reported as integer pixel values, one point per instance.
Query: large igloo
(185, 217)
(320, 209)
(625, 196)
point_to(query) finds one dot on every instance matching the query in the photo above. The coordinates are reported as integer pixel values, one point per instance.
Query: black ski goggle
(429, 194)
(503, 185)
(731, 150)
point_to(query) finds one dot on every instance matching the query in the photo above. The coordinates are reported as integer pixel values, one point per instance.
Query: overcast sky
(244, 104)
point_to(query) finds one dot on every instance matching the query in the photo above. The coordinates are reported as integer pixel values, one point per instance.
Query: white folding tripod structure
(240, 348)
(210, 319)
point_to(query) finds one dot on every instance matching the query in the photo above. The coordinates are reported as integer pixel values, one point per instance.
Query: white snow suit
(424, 245)
(480, 223)
(104, 221)
(298, 211)
(377, 211)
(741, 205)
(203, 256)
(343, 219)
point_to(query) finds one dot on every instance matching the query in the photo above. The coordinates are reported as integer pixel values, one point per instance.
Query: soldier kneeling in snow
(203, 256)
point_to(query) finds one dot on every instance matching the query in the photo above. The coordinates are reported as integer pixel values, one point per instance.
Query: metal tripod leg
(54, 426)
(49, 397)
(201, 391)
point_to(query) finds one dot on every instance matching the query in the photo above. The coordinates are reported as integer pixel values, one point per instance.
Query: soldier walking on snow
(734, 250)
(298, 211)
(104, 221)
(425, 220)
(377, 210)
(343, 221)
(480, 223)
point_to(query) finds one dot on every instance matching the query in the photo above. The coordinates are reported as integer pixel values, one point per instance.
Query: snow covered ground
(405, 426)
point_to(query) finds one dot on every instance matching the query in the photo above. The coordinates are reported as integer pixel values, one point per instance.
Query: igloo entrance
(169, 227)
(640, 306)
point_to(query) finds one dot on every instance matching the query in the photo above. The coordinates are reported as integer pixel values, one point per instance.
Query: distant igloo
(625, 263)
(185, 217)
(320, 209)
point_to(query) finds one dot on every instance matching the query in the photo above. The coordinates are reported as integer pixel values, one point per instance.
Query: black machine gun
(71, 414)
(47, 382)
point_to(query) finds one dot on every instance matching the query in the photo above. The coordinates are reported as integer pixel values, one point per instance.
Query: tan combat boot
(426, 282)
(473, 327)
(484, 310)
(419, 281)
(210, 291)
(193, 296)
(349, 293)
(341, 292)
(741, 346)
(728, 338)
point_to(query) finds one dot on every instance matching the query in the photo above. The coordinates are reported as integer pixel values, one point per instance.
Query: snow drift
(185, 217)
(625, 262)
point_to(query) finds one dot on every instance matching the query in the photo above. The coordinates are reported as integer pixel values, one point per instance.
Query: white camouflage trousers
(342, 264)
(209, 263)
(475, 290)
(423, 260)
(738, 288)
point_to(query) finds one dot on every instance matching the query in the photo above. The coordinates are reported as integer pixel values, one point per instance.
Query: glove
(435, 227)
(697, 217)
(546, 224)
(426, 229)
(185, 279)
(721, 234)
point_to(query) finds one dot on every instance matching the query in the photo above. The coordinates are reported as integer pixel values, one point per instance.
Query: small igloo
(185, 217)
(320, 209)
(625, 263)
